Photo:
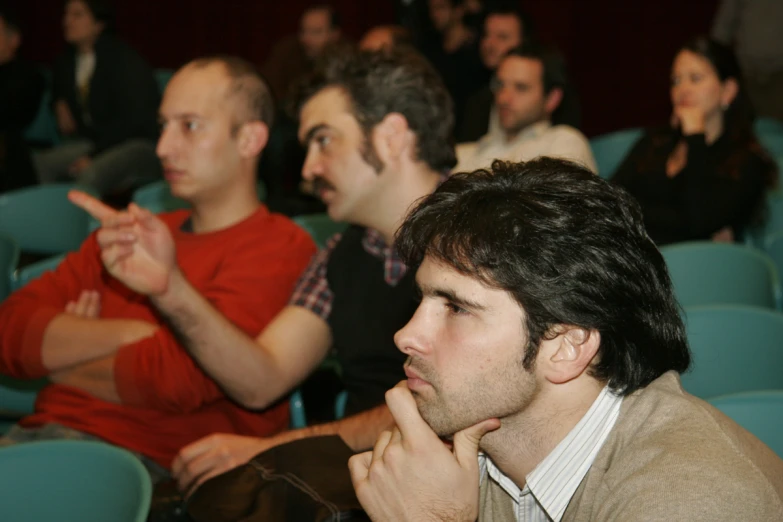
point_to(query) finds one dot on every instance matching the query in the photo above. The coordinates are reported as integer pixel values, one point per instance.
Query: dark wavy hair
(738, 120)
(739, 115)
(379, 83)
(571, 249)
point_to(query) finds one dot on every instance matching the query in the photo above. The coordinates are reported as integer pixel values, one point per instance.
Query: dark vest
(366, 313)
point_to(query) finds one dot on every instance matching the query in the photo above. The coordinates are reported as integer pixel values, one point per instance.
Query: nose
(166, 143)
(501, 97)
(413, 338)
(313, 166)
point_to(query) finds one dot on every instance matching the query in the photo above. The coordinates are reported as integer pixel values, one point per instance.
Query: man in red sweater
(118, 373)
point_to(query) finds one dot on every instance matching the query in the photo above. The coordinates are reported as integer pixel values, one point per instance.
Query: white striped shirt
(550, 486)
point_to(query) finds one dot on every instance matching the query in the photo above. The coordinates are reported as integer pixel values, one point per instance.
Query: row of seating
(113, 485)
(610, 149)
(708, 273)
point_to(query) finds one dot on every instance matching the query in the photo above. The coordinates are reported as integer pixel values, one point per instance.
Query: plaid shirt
(312, 291)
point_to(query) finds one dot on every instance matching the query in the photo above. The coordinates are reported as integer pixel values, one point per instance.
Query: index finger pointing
(91, 205)
(413, 427)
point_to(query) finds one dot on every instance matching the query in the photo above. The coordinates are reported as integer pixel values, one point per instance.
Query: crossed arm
(138, 250)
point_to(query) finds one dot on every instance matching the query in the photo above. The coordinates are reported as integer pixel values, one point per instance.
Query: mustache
(320, 184)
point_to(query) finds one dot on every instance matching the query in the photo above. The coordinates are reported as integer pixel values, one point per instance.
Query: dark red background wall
(619, 51)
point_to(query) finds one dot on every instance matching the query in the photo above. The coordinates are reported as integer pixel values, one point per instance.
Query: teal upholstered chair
(320, 227)
(297, 411)
(163, 76)
(24, 275)
(706, 273)
(773, 224)
(72, 481)
(42, 220)
(759, 412)
(734, 349)
(611, 149)
(767, 125)
(42, 132)
(9, 257)
(156, 197)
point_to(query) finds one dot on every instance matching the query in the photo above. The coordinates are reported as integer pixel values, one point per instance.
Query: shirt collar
(556, 478)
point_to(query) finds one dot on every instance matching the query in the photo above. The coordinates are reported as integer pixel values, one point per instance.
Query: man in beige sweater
(547, 347)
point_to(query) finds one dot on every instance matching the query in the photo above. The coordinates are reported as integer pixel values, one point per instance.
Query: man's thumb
(466, 442)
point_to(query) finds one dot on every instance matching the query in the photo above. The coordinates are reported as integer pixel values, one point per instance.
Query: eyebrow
(313, 131)
(180, 116)
(450, 296)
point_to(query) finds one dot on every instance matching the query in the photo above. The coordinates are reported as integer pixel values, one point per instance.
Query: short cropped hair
(335, 21)
(399, 80)
(555, 76)
(571, 249)
(511, 8)
(101, 10)
(252, 93)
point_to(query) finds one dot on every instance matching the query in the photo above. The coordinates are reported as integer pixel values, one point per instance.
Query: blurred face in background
(316, 32)
(9, 42)
(696, 85)
(502, 32)
(443, 14)
(79, 25)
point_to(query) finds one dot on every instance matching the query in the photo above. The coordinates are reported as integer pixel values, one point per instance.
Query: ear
(553, 100)
(252, 138)
(729, 92)
(392, 136)
(568, 355)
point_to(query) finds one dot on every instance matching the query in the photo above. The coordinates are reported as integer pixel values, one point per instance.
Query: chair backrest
(757, 235)
(611, 149)
(734, 349)
(767, 125)
(772, 141)
(43, 129)
(707, 273)
(320, 227)
(157, 197)
(24, 275)
(72, 481)
(760, 412)
(9, 257)
(163, 76)
(42, 220)
(17, 396)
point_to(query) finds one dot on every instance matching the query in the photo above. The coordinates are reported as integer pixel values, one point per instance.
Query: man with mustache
(118, 371)
(377, 127)
(530, 87)
(548, 337)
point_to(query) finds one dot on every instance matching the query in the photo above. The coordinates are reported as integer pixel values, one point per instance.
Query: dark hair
(400, 35)
(247, 85)
(571, 249)
(739, 115)
(379, 83)
(10, 17)
(511, 8)
(101, 10)
(334, 17)
(555, 76)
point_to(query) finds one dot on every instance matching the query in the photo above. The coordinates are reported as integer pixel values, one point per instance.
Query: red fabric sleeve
(25, 315)
(249, 289)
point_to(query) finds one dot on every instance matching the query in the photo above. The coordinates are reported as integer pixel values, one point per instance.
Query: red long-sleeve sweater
(246, 271)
